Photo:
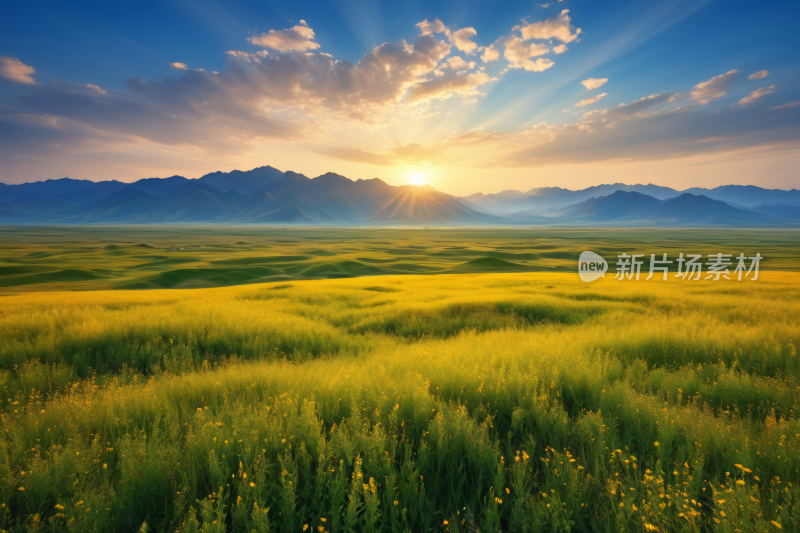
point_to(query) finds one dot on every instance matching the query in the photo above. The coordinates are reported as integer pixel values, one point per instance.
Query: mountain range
(266, 195)
(543, 198)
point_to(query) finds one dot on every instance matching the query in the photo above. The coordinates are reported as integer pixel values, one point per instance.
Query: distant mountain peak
(268, 195)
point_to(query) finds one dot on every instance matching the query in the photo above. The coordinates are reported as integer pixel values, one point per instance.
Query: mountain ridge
(266, 195)
(260, 195)
(543, 198)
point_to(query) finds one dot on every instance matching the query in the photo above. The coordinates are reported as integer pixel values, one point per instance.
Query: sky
(467, 96)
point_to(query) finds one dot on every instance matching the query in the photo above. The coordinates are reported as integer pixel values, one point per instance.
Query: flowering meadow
(470, 402)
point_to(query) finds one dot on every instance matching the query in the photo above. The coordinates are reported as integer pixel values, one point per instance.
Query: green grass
(155, 257)
(524, 401)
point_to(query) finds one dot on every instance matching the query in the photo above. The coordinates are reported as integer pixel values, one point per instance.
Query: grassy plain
(517, 401)
(153, 257)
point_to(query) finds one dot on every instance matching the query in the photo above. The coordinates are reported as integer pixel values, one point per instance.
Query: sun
(417, 178)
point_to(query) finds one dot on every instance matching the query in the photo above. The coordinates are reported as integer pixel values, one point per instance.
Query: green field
(491, 391)
(163, 257)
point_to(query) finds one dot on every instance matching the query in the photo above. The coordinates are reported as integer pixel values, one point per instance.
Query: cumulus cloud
(15, 70)
(95, 88)
(490, 54)
(758, 75)
(179, 66)
(428, 28)
(299, 38)
(519, 54)
(544, 5)
(560, 49)
(594, 83)
(462, 39)
(590, 101)
(458, 63)
(558, 27)
(312, 82)
(755, 95)
(224, 113)
(714, 88)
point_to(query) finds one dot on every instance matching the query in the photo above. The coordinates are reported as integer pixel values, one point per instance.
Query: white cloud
(758, 75)
(458, 63)
(434, 26)
(178, 66)
(714, 88)
(490, 53)
(95, 88)
(244, 102)
(553, 28)
(15, 70)
(462, 39)
(560, 49)
(544, 5)
(594, 83)
(785, 106)
(590, 101)
(248, 56)
(299, 38)
(519, 55)
(362, 92)
(309, 95)
(758, 93)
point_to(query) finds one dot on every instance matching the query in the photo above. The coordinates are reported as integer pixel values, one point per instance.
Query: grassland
(518, 401)
(147, 257)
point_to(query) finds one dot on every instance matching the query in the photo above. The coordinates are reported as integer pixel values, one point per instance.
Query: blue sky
(71, 105)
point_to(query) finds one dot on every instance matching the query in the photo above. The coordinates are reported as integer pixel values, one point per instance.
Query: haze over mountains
(266, 195)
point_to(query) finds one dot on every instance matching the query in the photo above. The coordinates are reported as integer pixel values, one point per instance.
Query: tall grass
(449, 403)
